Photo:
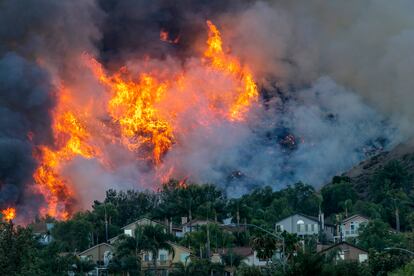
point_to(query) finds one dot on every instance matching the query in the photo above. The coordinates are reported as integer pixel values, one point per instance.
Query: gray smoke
(362, 45)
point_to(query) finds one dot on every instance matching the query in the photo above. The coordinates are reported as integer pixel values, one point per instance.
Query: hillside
(362, 173)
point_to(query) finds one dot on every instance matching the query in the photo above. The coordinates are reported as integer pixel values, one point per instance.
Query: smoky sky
(26, 97)
(335, 84)
(132, 27)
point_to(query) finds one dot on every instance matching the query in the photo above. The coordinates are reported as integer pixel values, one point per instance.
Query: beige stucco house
(166, 260)
(99, 254)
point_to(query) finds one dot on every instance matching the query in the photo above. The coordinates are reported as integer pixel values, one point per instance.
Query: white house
(304, 225)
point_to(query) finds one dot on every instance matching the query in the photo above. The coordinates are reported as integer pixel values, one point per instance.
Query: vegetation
(389, 204)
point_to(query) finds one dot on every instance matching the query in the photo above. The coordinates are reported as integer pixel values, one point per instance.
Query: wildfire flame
(165, 36)
(9, 214)
(143, 109)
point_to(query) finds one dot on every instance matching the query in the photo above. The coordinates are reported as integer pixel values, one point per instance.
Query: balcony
(160, 264)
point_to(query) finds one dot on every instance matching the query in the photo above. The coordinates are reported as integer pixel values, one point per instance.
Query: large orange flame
(144, 109)
(9, 214)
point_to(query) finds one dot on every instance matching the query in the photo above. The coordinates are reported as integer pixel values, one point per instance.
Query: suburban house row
(299, 224)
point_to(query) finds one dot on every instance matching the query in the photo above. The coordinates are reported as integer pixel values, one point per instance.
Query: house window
(147, 258)
(362, 257)
(341, 255)
(183, 257)
(128, 232)
(163, 257)
(300, 226)
(279, 228)
(354, 227)
(313, 227)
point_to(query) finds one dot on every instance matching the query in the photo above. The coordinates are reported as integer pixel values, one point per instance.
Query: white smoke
(363, 45)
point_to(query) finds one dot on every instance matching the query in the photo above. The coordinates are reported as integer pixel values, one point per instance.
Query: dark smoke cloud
(132, 27)
(25, 100)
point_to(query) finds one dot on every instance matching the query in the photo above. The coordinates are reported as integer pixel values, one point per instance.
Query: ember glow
(143, 114)
(8, 214)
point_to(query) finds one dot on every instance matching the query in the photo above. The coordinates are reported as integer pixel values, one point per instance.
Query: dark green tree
(74, 234)
(338, 197)
(18, 252)
(265, 245)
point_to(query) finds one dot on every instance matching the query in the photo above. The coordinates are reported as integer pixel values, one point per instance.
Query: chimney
(184, 220)
(322, 221)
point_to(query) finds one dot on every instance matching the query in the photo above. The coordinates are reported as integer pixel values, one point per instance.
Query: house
(247, 253)
(165, 260)
(99, 254)
(42, 231)
(304, 225)
(346, 252)
(349, 228)
(129, 229)
(195, 225)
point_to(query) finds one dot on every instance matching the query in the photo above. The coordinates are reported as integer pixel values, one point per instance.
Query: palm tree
(396, 200)
(127, 256)
(153, 239)
(265, 245)
(346, 205)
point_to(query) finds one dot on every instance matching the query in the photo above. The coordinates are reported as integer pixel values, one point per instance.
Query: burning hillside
(126, 95)
(143, 112)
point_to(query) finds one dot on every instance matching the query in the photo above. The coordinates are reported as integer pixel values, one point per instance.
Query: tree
(154, 238)
(292, 244)
(393, 176)
(305, 264)
(391, 187)
(18, 253)
(377, 235)
(368, 209)
(231, 259)
(337, 197)
(179, 199)
(302, 198)
(381, 263)
(345, 268)
(199, 267)
(396, 199)
(51, 262)
(74, 234)
(199, 240)
(245, 270)
(265, 245)
(127, 255)
(130, 205)
(407, 270)
(102, 217)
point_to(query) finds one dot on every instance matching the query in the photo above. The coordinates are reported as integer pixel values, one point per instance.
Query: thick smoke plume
(334, 78)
